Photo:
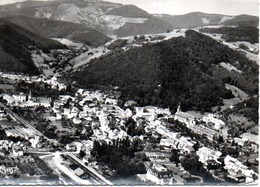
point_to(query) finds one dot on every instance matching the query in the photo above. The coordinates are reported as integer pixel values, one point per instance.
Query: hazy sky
(176, 7)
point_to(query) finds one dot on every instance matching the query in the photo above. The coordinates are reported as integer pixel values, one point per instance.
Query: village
(73, 122)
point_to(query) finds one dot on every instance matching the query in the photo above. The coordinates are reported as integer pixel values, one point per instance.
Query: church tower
(179, 108)
(30, 96)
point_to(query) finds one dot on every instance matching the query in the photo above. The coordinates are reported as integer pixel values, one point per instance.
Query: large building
(160, 175)
(185, 118)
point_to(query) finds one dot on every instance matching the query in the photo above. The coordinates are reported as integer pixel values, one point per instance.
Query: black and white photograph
(129, 92)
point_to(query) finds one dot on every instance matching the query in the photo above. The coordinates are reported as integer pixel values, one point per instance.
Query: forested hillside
(60, 29)
(181, 69)
(15, 45)
(233, 34)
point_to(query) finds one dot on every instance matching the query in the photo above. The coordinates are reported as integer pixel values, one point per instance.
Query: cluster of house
(24, 100)
(53, 82)
(8, 170)
(161, 171)
(208, 125)
(150, 113)
(236, 169)
(18, 165)
(171, 139)
(98, 110)
(12, 149)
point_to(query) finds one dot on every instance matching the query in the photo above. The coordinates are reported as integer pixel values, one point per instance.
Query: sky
(178, 7)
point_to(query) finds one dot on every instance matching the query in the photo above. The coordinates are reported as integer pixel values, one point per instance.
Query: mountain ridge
(116, 19)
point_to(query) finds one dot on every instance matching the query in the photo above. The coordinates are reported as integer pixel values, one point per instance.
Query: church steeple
(30, 96)
(179, 108)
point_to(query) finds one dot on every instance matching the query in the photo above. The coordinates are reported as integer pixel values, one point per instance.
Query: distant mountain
(194, 19)
(182, 69)
(243, 20)
(15, 46)
(85, 12)
(60, 29)
(111, 18)
(198, 19)
(129, 11)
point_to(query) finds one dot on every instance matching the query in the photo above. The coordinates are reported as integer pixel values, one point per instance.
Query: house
(185, 145)
(79, 172)
(254, 146)
(20, 98)
(240, 141)
(76, 121)
(57, 104)
(10, 100)
(206, 154)
(80, 92)
(159, 175)
(71, 147)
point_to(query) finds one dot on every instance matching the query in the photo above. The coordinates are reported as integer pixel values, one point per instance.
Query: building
(236, 168)
(159, 175)
(218, 124)
(202, 130)
(20, 98)
(205, 154)
(2, 115)
(241, 141)
(158, 156)
(185, 118)
(57, 104)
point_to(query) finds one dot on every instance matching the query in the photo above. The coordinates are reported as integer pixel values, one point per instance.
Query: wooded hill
(181, 69)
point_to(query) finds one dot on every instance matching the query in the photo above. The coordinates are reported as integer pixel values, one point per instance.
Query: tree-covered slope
(129, 11)
(233, 34)
(166, 73)
(15, 45)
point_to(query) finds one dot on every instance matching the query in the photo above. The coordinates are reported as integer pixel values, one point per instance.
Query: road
(93, 174)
